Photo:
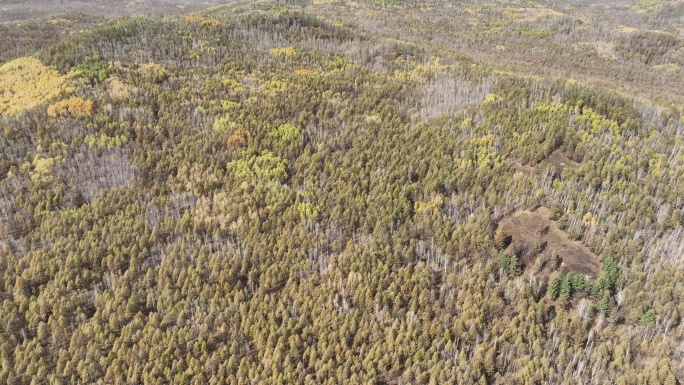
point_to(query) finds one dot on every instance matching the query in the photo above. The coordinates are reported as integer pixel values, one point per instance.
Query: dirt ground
(533, 235)
(560, 160)
(557, 158)
(19, 10)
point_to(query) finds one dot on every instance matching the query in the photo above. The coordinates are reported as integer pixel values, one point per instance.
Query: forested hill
(271, 194)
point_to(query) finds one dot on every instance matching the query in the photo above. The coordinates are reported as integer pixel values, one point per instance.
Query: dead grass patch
(532, 235)
(558, 158)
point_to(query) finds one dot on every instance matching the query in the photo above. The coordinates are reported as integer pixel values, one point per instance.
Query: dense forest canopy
(324, 193)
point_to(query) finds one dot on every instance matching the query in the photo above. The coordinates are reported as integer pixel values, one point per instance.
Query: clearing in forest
(531, 235)
(557, 158)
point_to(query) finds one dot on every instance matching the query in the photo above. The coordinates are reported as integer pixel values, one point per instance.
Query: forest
(335, 192)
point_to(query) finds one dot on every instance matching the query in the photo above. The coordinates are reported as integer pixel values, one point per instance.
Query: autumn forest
(336, 192)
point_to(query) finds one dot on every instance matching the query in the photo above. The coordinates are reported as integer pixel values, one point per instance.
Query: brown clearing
(383, 59)
(557, 158)
(530, 230)
(523, 168)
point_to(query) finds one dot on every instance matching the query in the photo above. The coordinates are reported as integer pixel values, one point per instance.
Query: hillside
(325, 193)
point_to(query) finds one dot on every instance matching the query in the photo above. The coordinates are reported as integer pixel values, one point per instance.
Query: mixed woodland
(324, 193)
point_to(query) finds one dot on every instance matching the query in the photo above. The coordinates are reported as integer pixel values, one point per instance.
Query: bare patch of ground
(524, 168)
(560, 159)
(387, 56)
(531, 235)
(382, 60)
(557, 158)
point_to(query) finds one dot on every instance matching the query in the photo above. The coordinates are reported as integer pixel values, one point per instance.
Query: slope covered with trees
(631, 46)
(256, 194)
